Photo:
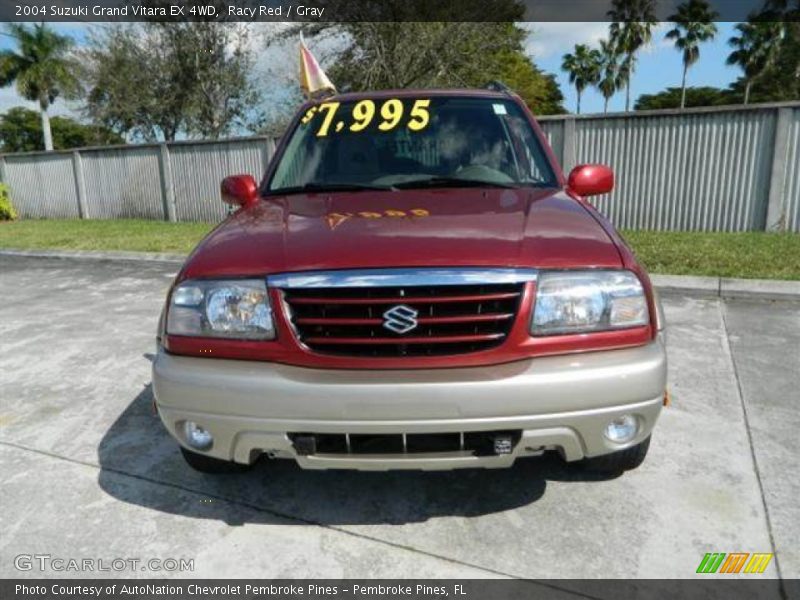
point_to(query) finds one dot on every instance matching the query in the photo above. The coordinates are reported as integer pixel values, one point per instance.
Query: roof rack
(498, 86)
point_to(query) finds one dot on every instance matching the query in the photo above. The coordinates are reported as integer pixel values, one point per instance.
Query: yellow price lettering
(309, 115)
(392, 112)
(330, 109)
(420, 116)
(362, 115)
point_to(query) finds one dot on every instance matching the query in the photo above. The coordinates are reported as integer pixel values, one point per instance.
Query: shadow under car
(141, 464)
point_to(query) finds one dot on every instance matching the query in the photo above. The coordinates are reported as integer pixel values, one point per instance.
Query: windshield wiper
(452, 182)
(328, 187)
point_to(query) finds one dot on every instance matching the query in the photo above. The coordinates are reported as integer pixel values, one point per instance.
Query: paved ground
(87, 471)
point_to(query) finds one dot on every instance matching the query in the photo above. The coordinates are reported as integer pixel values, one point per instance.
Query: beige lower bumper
(561, 403)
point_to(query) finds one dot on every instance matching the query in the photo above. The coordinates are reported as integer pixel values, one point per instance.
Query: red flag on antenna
(313, 80)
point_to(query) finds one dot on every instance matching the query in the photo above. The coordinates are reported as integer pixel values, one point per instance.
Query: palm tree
(694, 24)
(583, 67)
(755, 49)
(631, 28)
(41, 68)
(609, 81)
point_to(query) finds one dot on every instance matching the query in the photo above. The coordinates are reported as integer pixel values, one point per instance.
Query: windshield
(390, 143)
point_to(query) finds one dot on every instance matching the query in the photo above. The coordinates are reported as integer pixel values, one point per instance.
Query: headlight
(227, 309)
(585, 301)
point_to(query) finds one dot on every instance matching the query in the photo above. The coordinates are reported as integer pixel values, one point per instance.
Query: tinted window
(373, 143)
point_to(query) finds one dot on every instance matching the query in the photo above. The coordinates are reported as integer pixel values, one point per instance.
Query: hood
(411, 228)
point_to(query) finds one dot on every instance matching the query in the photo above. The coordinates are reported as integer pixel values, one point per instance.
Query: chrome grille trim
(345, 312)
(362, 278)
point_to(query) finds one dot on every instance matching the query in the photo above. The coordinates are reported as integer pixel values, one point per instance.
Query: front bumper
(559, 402)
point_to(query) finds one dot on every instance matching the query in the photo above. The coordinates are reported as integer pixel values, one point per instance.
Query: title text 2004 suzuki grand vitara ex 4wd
(413, 285)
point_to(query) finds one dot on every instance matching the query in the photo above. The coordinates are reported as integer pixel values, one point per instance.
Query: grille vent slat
(478, 443)
(450, 319)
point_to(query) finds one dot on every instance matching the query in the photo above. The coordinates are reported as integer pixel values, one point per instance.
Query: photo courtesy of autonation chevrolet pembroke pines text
(418, 299)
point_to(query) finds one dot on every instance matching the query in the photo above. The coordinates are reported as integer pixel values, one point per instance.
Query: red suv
(413, 285)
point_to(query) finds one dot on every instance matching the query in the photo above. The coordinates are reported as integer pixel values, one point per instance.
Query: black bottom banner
(366, 589)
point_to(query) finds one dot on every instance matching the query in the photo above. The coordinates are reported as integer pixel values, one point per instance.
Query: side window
(531, 164)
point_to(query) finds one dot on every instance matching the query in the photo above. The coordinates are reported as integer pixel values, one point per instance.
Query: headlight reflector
(586, 301)
(187, 295)
(229, 309)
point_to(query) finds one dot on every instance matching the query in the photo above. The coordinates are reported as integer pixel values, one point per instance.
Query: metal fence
(705, 169)
(178, 181)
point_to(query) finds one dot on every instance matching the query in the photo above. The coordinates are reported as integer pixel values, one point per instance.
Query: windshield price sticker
(391, 114)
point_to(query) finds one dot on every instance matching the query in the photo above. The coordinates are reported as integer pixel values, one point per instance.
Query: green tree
(21, 131)
(755, 49)
(42, 69)
(780, 80)
(537, 89)
(583, 67)
(225, 97)
(690, 97)
(378, 52)
(195, 81)
(694, 24)
(630, 30)
(609, 80)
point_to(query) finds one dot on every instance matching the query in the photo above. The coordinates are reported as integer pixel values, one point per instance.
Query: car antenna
(498, 86)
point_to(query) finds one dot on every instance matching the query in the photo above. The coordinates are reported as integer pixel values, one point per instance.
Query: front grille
(450, 319)
(476, 443)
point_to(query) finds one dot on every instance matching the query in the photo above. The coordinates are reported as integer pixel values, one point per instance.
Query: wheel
(617, 462)
(209, 464)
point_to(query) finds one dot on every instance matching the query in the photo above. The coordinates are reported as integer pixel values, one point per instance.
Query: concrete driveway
(89, 472)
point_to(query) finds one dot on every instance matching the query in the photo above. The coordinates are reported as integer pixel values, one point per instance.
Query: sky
(659, 65)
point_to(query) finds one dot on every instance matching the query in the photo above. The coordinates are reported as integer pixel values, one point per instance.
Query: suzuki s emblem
(400, 319)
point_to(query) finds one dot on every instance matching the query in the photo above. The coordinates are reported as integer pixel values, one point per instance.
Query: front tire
(620, 461)
(209, 464)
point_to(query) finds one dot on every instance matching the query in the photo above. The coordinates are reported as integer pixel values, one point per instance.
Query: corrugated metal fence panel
(699, 172)
(791, 190)
(197, 170)
(554, 132)
(122, 183)
(42, 185)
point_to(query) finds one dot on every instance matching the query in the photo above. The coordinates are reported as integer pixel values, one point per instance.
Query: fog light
(622, 429)
(196, 436)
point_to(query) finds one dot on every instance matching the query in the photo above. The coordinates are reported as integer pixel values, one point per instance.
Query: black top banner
(377, 10)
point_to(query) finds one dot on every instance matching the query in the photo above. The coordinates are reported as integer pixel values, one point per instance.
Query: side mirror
(239, 190)
(591, 180)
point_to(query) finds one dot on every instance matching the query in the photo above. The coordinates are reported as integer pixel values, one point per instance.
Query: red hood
(445, 227)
